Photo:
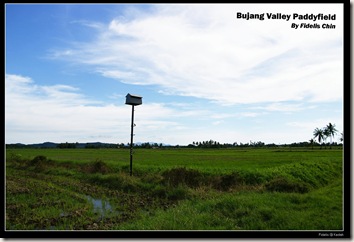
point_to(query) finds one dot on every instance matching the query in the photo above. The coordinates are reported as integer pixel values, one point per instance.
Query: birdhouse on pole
(133, 100)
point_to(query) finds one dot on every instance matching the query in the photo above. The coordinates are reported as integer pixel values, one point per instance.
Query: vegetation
(323, 134)
(320, 134)
(174, 189)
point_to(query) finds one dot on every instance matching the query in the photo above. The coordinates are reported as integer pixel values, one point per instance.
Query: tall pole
(131, 143)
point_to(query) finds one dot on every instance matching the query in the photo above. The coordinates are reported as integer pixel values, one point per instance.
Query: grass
(249, 210)
(220, 189)
(206, 160)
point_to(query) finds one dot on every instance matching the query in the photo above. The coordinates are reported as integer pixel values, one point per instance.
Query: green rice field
(174, 189)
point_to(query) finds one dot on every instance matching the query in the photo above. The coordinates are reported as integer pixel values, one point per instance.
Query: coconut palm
(330, 131)
(318, 133)
(311, 142)
(326, 134)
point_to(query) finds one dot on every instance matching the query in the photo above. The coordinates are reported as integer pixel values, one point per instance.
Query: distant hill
(43, 145)
(63, 145)
(80, 145)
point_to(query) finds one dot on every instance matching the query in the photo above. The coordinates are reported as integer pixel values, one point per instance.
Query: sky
(203, 73)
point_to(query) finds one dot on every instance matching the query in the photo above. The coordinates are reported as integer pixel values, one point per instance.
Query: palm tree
(330, 131)
(325, 136)
(311, 142)
(318, 133)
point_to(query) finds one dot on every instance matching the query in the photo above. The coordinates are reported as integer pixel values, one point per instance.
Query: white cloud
(59, 113)
(198, 50)
(217, 122)
(90, 24)
(285, 107)
(202, 50)
(317, 123)
(251, 114)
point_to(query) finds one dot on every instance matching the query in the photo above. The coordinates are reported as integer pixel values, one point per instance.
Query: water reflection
(100, 206)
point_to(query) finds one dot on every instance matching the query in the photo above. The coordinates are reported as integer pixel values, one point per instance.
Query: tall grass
(250, 210)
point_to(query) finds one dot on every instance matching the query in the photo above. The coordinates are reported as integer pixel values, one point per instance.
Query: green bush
(119, 181)
(159, 191)
(97, 166)
(40, 159)
(182, 176)
(39, 163)
(177, 193)
(15, 158)
(281, 184)
(252, 178)
(225, 182)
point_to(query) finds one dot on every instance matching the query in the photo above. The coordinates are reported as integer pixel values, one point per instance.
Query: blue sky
(202, 73)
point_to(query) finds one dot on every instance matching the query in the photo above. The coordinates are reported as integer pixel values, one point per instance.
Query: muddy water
(100, 206)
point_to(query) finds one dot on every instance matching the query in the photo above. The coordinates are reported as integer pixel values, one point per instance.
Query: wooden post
(131, 142)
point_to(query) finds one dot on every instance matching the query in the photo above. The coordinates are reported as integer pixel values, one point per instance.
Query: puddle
(62, 214)
(100, 206)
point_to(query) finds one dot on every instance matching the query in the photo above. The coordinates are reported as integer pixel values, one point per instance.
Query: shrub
(159, 191)
(281, 184)
(225, 182)
(40, 159)
(180, 176)
(177, 193)
(119, 181)
(39, 162)
(97, 166)
(152, 178)
(252, 178)
(15, 158)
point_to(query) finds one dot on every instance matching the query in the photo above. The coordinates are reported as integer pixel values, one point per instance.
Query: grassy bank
(250, 189)
(250, 210)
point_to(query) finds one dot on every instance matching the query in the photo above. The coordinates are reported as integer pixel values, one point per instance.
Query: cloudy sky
(202, 72)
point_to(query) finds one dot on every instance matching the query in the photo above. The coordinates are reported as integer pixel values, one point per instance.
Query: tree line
(329, 131)
(320, 136)
(215, 144)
